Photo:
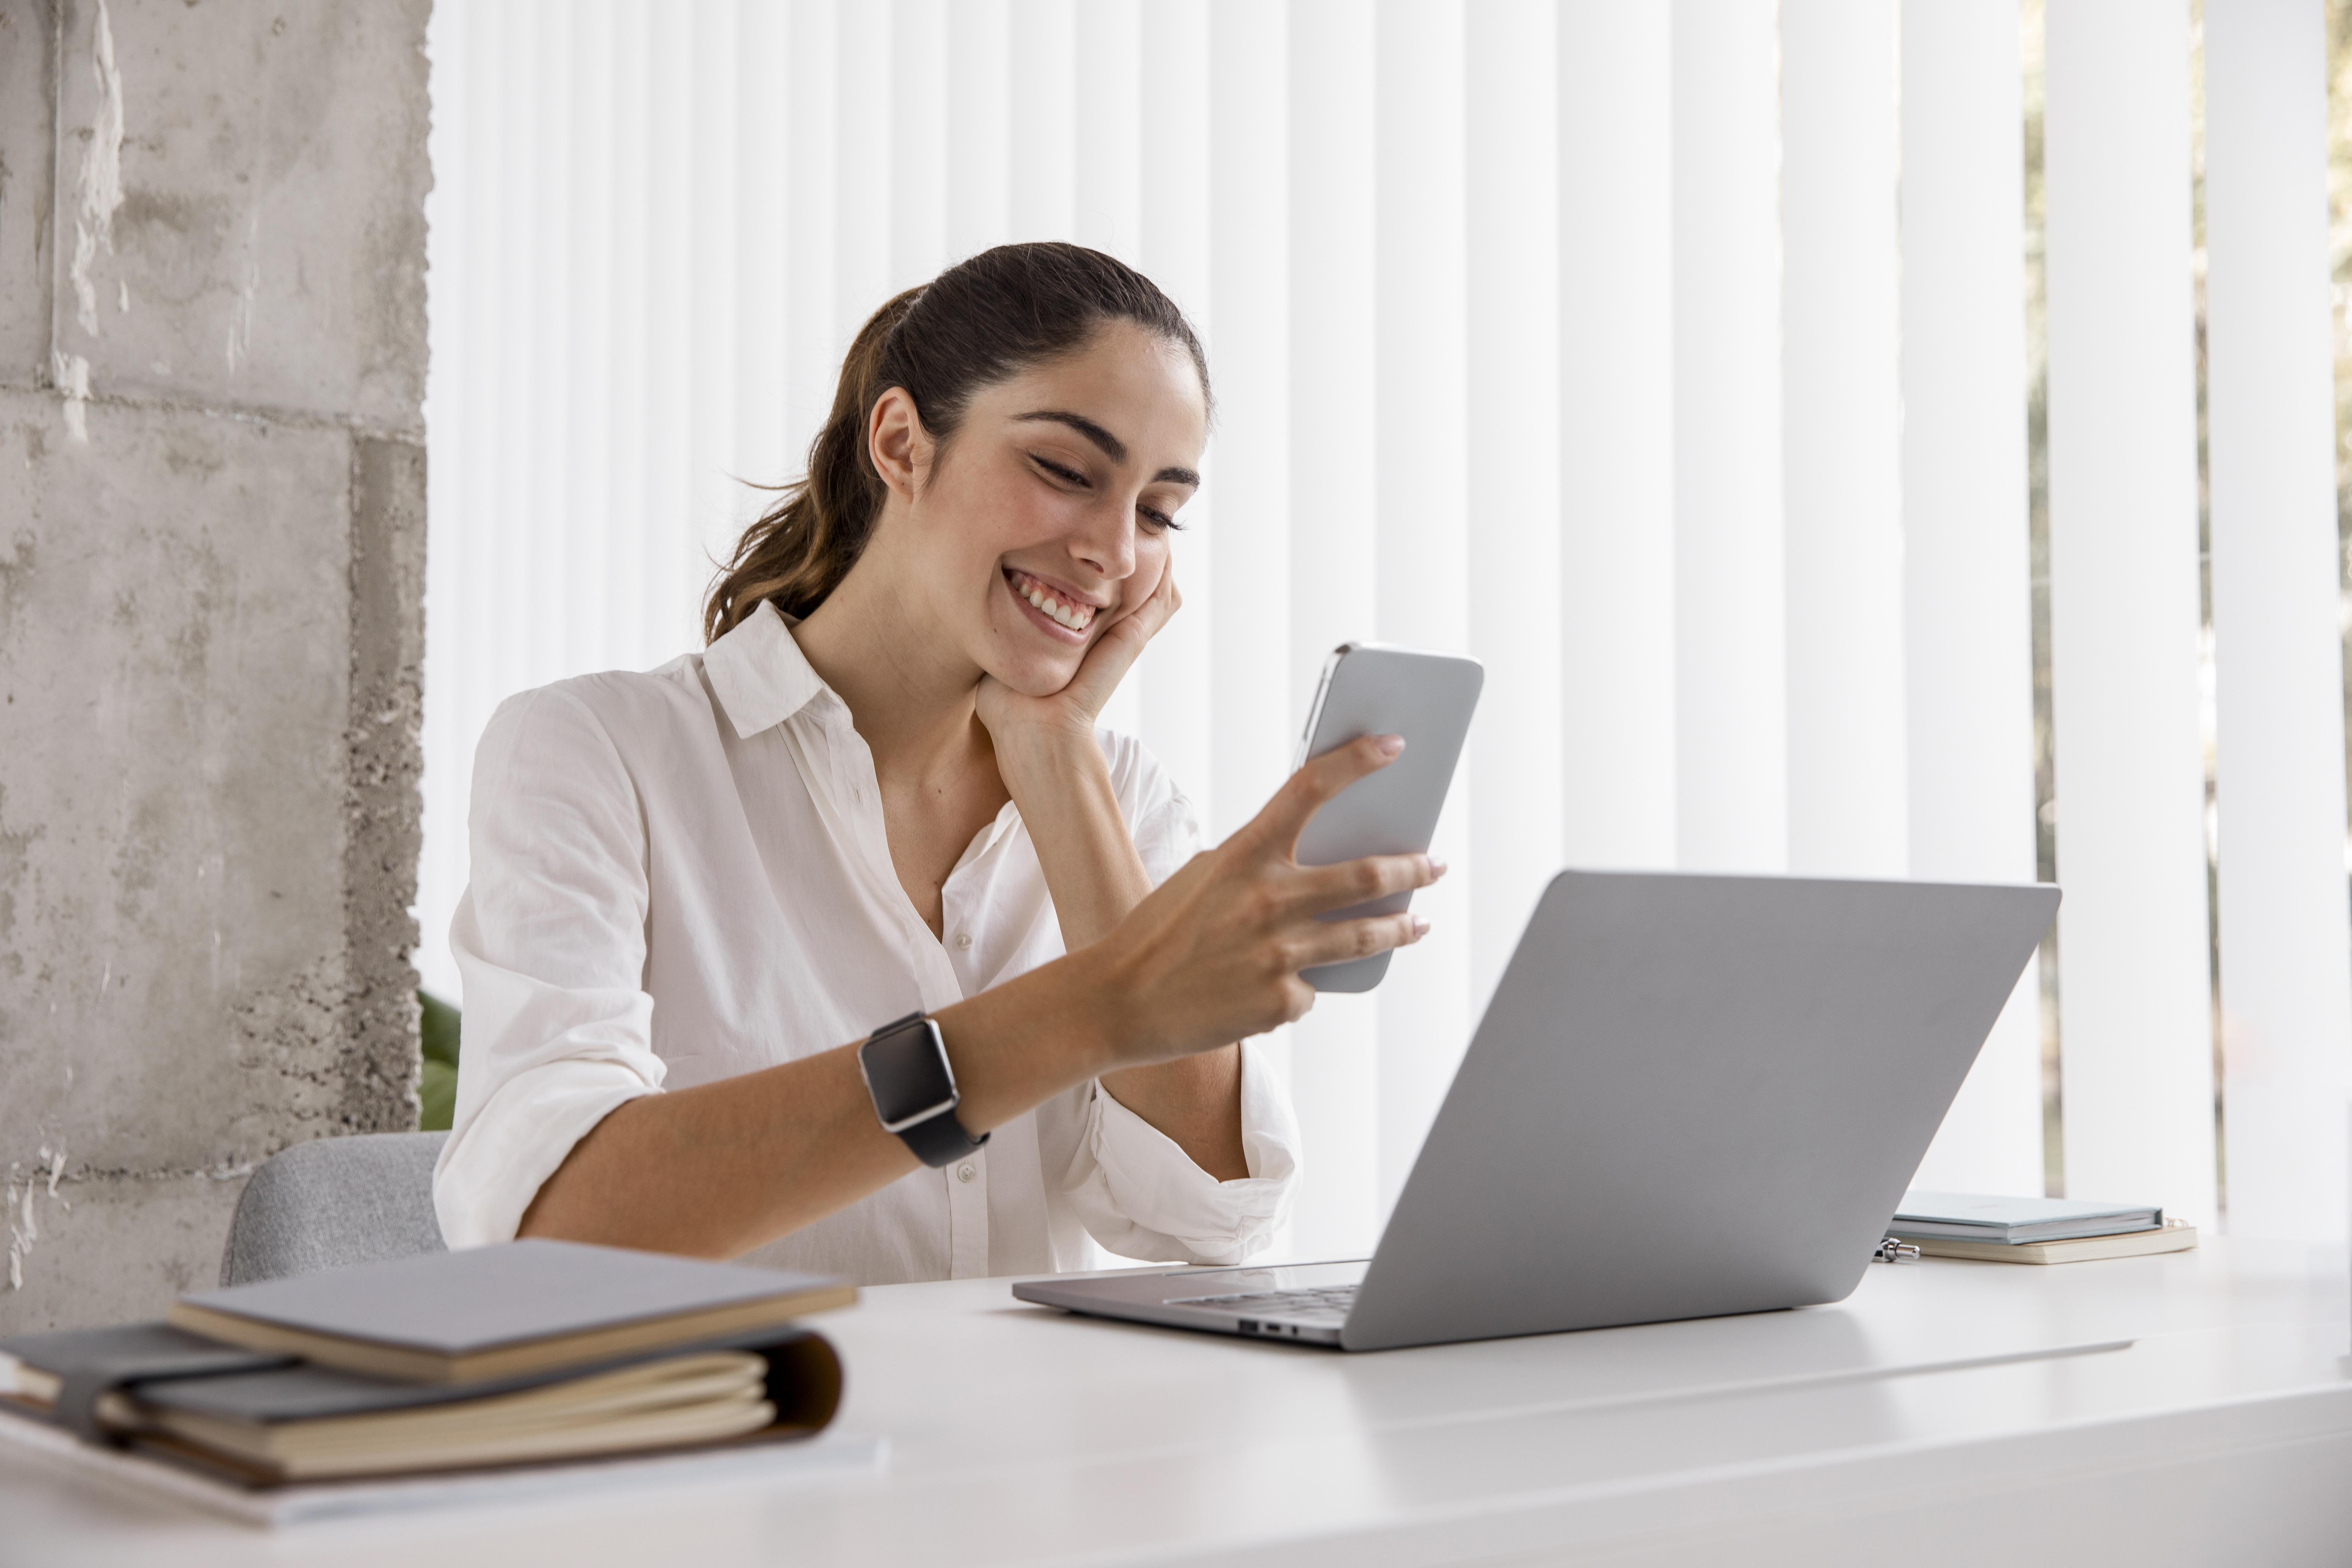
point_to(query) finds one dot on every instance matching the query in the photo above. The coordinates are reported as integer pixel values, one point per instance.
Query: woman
(697, 891)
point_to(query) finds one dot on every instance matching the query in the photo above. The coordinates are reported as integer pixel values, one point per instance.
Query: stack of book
(2034, 1230)
(525, 1354)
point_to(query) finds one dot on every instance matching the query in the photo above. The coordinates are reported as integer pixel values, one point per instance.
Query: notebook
(262, 1420)
(501, 1312)
(1969, 1216)
(2173, 1235)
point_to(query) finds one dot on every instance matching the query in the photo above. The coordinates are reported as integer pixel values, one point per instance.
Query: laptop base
(1214, 1300)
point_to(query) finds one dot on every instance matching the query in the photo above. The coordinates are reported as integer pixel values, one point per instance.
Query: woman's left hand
(1070, 713)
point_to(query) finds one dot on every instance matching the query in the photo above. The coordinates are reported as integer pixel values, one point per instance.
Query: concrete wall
(212, 537)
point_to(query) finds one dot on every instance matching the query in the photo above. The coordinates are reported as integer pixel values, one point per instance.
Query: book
(670, 1402)
(490, 1312)
(1967, 1216)
(2173, 1236)
(265, 1421)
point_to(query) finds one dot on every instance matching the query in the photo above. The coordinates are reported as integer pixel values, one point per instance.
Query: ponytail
(801, 548)
(979, 323)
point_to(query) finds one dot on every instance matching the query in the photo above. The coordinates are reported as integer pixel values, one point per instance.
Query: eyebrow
(1112, 447)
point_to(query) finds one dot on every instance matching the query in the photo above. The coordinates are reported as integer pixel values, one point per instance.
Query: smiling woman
(705, 899)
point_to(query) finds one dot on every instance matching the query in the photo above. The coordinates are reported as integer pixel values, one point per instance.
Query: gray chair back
(338, 1201)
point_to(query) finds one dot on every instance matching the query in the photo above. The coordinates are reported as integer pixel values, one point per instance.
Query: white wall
(1669, 358)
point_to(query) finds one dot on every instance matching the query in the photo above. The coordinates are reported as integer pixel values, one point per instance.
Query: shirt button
(964, 1172)
(963, 939)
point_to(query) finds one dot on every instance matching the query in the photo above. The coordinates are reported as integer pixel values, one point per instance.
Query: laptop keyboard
(1325, 1301)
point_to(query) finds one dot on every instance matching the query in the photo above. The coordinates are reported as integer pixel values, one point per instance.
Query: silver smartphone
(1371, 688)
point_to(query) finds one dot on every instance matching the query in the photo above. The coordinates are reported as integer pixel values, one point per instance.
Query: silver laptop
(1690, 1095)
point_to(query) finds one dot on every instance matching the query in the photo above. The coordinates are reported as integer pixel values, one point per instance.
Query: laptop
(1689, 1096)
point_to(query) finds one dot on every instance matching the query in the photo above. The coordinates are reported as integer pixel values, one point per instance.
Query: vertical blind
(1670, 359)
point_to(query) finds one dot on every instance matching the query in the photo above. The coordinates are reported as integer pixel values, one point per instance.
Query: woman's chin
(1032, 672)
(1021, 660)
(1033, 680)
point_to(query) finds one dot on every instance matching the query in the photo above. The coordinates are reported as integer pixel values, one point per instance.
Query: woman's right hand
(1213, 956)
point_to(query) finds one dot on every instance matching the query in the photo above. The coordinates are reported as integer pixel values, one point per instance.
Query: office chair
(333, 1202)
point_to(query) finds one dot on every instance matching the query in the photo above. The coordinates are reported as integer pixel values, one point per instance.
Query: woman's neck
(911, 697)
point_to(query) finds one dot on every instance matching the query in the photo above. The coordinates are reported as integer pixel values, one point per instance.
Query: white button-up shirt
(682, 876)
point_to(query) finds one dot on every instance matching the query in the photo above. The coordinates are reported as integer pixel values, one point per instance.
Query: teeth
(1078, 617)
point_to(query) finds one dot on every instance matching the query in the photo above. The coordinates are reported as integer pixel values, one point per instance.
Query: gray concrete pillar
(212, 542)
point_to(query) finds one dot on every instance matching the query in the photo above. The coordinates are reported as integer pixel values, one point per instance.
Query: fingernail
(1419, 928)
(1436, 867)
(1391, 745)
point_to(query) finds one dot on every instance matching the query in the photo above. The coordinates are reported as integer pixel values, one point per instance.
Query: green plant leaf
(436, 1093)
(439, 1029)
(436, 1086)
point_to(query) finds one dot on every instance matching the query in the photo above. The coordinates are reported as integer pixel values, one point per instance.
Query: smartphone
(1371, 688)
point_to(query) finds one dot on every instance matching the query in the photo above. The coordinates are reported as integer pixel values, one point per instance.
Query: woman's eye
(1160, 521)
(1067, 476)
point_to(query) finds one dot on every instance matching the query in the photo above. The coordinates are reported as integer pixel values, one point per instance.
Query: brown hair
(979, 323)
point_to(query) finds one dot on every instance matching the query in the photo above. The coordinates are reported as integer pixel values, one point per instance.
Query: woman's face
(1046, 519)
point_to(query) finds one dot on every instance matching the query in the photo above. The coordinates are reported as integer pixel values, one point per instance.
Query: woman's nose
(1106, 544)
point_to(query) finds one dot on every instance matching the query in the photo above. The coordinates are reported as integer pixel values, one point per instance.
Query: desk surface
(2191, 1407)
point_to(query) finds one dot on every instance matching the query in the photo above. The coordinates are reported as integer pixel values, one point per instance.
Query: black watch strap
(941, 1141)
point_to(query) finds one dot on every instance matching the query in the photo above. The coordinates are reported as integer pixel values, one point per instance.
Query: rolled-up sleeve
(1142, 1196)
(550, 941)
(1136, 1191)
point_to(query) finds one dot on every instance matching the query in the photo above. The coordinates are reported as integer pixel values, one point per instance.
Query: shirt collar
(759, 672)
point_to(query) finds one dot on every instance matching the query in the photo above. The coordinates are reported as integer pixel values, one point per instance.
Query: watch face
(907, 1073)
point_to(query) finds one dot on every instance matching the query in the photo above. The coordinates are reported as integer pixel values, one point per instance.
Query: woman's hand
(1213, 956)
(1070, 713)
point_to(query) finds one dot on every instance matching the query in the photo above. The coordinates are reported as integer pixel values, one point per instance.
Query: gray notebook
(504, 1311)
(300, 1392)
(60, 1376)
(66, 1378)
(1972, 1217)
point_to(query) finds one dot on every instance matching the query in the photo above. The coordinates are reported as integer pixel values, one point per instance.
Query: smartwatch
(906, 1069)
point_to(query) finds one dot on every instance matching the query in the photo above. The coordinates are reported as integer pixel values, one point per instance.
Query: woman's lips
(1061, 615)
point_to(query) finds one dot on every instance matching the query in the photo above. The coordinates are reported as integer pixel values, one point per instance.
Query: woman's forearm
(723, 1168)
(1091, 867)
(1071, 810)
(1196, 1101)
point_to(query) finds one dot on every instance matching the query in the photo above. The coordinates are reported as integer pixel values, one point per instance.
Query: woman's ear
(896, 442)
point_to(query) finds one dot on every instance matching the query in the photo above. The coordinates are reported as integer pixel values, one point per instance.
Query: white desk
(2221, 1433)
